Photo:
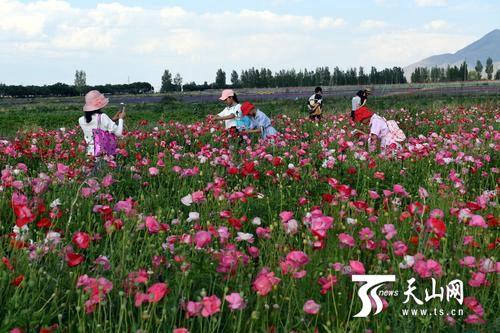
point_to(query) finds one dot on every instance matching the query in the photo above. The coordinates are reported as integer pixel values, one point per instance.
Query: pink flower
(285, 216)
(400, 248)
(399, 189)
(389, 230)
(202, 239)
(473, 304)
(236, 302)
(194, 308)
(468, 261)
(346, 240)
(104, 262)
(211, 305)
(157, 291)
(478, 221)
(357, 267)
(311, 307)
(474, 319)
(264, 282)
(426, 269)
(327, 283)
(180, 330)
(366, 234)
(140, 298)
(107, 181)
(422, 192)
(320, 225)
(126, 206)
(198, 196)
(153, 171)
(373, 195)
(152, 224)
(478, 279)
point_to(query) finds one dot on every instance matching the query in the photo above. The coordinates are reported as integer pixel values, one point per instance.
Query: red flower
(7, 263)
(74, 259)
(81, 239)
(44, 223)
(24, 215)
(17, 281)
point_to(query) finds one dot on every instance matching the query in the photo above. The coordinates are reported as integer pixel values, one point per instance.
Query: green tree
(220, 78)
(80, 81)
(489, 68)
(166, 82)
(479, 69)
(235, 80)
(178, 82)
(497, 75)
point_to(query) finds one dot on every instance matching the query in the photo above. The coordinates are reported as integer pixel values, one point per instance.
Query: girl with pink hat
(231, 114)
(93, 118)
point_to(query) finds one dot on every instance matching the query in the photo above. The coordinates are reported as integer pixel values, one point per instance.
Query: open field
(189, 229)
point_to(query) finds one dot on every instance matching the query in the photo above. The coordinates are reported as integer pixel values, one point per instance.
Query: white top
(356, 102)
(236, 110)
(378, 126)
(106, 124)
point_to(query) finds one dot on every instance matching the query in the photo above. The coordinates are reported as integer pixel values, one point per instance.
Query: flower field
(189, 230)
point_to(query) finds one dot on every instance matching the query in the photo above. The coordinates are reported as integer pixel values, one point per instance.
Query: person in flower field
(94, 118)
(359, 101)
(315, 104)
(231, 114)
(382, 131)
(259, 121)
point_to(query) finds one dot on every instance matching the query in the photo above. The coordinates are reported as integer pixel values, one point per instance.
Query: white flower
(55, 203)
(193, 216)
(256, 221)
(52, 237)
(351, 221)
(407, 262)
(242, 236)
(187, 200)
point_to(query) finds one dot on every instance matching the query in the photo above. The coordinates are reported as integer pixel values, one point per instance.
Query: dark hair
(89, 114)
(318, 96)
(235, 98)
(360, 93)
(317, 90)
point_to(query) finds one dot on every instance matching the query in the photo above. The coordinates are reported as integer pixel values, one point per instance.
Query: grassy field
(53, 114)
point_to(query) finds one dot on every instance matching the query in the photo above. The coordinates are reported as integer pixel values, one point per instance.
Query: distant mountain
(487, 46)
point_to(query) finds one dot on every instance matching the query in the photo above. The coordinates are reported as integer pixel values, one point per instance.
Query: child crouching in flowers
(386, 132)
(259, 121)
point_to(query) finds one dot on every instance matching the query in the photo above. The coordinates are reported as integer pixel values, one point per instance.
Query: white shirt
(356, 103)
(236, 110)
(106, 124)
(378, 126)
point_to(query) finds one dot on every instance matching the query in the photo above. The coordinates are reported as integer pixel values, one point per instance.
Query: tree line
(265, 78)
(450, 74)
(65, 90)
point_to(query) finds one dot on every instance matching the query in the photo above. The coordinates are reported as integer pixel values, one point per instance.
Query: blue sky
(45, 41)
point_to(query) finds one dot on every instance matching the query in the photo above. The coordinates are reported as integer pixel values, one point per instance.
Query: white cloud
(431, 3)
(405, 47)
(436, 25)
(84, 38)
(372, 24)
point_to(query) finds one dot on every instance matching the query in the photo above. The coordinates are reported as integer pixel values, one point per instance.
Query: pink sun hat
(94, 100)
(226, 93)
